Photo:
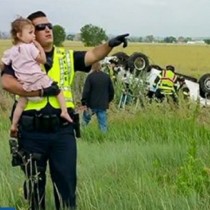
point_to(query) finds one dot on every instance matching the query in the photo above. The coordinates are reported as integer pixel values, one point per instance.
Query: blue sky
(137, 17)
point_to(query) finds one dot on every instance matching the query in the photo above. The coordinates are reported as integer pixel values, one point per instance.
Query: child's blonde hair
(17, 26)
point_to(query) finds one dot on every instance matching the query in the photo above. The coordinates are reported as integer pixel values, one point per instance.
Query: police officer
(43, 135)
(165, 84)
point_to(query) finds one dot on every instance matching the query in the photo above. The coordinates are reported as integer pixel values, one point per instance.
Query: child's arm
(41, 58)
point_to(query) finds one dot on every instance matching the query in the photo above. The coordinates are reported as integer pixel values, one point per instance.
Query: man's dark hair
(35, 15)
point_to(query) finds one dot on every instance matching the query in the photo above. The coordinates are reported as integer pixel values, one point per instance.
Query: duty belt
(49, 123)
(44, 123)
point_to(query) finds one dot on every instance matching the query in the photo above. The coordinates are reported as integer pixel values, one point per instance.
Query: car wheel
(122, 58)
(204, 86)
(137, 63)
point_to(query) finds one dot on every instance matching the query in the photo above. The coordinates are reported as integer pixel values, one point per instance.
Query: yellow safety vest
(167, 80)
(62, 72)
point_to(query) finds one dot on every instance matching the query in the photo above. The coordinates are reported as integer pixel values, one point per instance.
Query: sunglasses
(42, 26)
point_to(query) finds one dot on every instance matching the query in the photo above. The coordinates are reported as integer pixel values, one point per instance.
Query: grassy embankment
(152, 158)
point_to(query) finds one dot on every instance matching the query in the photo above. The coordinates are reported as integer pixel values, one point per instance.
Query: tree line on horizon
(92, 35)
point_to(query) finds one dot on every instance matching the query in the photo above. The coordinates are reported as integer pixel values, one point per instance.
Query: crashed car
(137, 67)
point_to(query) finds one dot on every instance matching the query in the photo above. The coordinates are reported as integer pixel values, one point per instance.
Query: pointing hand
(118, 40)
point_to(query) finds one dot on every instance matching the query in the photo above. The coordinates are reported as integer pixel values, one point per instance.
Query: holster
(76, 124)
(19, 156)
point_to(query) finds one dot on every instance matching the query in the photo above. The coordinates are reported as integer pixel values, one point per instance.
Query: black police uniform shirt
(79, 65)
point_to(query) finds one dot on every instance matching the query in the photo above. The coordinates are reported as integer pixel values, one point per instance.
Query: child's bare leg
(64, 112)
(16, 115)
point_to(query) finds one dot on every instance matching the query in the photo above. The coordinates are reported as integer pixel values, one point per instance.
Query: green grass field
(152, 158)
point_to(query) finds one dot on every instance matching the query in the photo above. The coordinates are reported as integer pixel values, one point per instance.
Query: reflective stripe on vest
(62, 71)
(167, 80)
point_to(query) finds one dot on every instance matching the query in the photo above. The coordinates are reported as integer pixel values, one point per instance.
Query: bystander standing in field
(98, 92)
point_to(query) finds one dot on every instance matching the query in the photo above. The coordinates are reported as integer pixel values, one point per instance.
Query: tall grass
(145, 161)
(140, 163)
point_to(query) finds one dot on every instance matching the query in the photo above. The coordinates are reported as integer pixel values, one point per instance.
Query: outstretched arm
(101, 51)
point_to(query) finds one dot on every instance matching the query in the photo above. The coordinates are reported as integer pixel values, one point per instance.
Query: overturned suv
(138, 64)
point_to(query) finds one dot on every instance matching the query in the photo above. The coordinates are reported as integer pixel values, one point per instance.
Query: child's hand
(37, 44)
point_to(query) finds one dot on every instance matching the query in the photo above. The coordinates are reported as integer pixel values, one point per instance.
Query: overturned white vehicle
(137, 68)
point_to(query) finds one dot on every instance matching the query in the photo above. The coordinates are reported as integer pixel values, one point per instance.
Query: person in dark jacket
(98, 92)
